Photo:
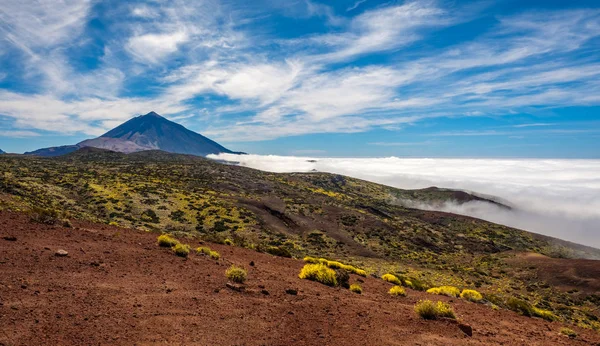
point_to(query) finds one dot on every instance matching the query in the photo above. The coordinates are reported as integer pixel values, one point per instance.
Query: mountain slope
(300, 214)
(1, 152)
(152, 131)
(145, 132)
(118, 287)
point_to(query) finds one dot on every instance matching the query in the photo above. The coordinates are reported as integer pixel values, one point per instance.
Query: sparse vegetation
(279, 251)
(568, 332)
(526, 309)
(44, 216)
(471, 295)
(391, 278)
(320, 273)
(206, 251)
(165, 240)
(181, 250)
(397, 291)
(431, 311)
(449, 291)
(356, 288)
(207, 201)
(336, 265)
(236, 274)
(203, 250)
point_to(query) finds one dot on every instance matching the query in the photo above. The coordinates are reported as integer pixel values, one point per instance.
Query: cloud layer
(559, 198)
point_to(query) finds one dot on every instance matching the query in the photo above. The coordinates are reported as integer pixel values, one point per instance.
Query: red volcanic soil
(566, 274)
(118, 287)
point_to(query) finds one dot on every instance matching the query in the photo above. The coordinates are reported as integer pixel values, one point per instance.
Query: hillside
(317, 214)
(116, 286)
(144, 132)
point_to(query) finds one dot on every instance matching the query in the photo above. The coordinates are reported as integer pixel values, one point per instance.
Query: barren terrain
(116, 286)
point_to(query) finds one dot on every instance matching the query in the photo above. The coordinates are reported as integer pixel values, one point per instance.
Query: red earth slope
(118, 287)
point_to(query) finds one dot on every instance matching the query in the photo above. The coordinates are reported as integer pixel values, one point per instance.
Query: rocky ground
(116, 286)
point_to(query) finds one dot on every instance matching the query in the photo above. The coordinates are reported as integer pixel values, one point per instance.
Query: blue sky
(338, 78)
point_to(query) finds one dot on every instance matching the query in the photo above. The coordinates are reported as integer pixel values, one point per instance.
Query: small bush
(391, 278)
(203, 250)
(311, 260)
(426, 309)
(545, 314)
(279, 251)
(356, 288)
(336, 265)
(44, 216)
(568, 332)
(397, 291)
(320, 273)
(445, 310)
(520, 306)
(236, 274)
(430, 311)
(166, 240)
(227, 241)
(471, 295)
(449, 291)
(214, 255)
(181, 250)
(414, 283)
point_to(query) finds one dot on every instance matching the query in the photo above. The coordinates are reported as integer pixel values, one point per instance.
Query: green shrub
(520, 306)
(279, 251)
(391, 278)
(545, 314)
(336, 265)
(166, 240)
(312, 260)
(356, 288)
(181, 250)
(397, 291)
(320, 273)
(430, 311)
(449, 291)
(44, 216)
(203, 250)
(414, 283)
(568, 332)
(444, 310)
(471, 295)
(236, 274)
(426, 309)
(214, 255)
(227, 241)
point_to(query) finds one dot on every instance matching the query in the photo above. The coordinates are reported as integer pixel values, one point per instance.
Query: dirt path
(117, 286)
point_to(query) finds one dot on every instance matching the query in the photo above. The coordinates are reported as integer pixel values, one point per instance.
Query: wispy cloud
(257, 85)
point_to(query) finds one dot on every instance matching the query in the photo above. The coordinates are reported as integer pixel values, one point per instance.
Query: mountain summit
(145, 132)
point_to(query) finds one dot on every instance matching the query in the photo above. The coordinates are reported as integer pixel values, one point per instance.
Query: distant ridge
(145, 132)
(1, 152)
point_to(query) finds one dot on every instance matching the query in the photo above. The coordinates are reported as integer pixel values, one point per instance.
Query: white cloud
(153, 48)
(271, 87)
(33, 23)
(560, 198)
(18, 134)
(144, 11)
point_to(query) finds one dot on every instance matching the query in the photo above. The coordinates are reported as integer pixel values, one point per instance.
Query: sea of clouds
(559, 198)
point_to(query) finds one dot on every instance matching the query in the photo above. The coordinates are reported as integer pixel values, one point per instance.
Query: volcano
(145, 132)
